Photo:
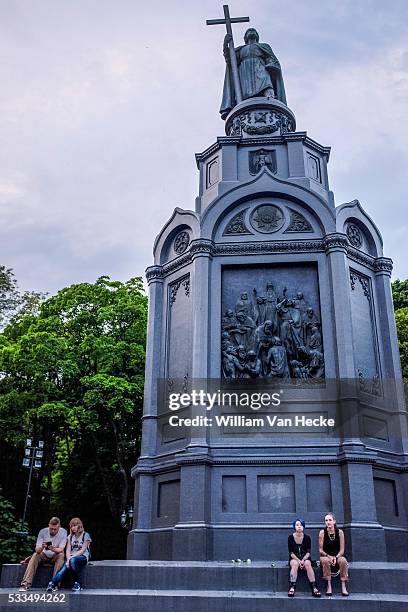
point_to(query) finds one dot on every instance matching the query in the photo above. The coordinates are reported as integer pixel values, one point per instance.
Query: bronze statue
(259, 72)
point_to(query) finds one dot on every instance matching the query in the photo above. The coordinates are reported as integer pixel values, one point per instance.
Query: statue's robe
(259, 69)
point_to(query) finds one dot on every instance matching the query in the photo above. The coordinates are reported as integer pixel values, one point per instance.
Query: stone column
(201, 253)
(154, 275)
(391, 363)
(336, 252)
(363, 533)
(191, 536)
(138, 547)
(365, 537)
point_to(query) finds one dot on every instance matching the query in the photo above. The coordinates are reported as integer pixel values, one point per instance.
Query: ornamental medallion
(267, 218)
(181, 242)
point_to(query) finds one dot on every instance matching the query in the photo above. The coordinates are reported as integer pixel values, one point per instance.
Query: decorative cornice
(154, 274)
(342, 458)
(362, 258)
(383, 265)
(201, 247)
(176, 264)
(229, 140)
(210, 151)
(335, 242)
(263, 140)
(254, 248)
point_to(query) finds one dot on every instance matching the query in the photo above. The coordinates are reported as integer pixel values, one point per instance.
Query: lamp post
(126, 518)
(33, 455)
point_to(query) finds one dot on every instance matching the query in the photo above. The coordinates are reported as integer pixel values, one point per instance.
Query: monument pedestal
(268, 281)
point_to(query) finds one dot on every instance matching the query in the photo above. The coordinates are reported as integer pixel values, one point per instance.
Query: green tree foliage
(9, 296)
(401, 319)
(400, 297)
(13, 302)
(12, 546)
(73, 375)
(400, 294)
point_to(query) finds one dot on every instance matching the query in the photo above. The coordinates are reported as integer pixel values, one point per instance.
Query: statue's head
(309, 312)
(241, 351)
(267, 327)
(251, 35)
(299, 295)
(229, 313)
(244, 295)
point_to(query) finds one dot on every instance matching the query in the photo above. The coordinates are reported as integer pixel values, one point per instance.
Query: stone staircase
(189, 586)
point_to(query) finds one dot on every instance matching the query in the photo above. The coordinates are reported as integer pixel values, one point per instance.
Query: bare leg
(309, 571)
(294, 566)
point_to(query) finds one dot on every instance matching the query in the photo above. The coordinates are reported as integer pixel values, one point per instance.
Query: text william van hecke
(240, 420)
(274, 421)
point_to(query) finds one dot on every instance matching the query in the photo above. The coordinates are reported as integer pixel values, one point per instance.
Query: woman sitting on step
(76, 555)
(332, 559)
(299, 546)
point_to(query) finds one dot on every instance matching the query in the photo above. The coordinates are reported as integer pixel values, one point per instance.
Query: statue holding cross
(252, 70)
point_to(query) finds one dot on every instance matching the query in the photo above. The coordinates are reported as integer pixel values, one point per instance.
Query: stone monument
(267, 282)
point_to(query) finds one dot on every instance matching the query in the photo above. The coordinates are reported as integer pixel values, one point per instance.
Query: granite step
(374, 578)
(169, 600)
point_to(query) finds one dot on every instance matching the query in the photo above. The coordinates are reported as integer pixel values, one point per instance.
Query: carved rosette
(354, 235)
(181, 242)
(267, 218)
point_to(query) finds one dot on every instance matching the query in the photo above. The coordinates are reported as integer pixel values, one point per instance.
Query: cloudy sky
(103, 104)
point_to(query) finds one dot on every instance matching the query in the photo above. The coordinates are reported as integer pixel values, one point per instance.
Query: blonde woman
(76, 555)
(332, 559)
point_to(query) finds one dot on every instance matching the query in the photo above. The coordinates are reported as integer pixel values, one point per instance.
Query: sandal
(315, 590)
(292, 588)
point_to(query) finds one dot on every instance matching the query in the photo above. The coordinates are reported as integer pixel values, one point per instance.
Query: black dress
(331, 547)
(299, 549)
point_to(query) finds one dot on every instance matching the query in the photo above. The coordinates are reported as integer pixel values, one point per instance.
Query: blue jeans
(75, 566)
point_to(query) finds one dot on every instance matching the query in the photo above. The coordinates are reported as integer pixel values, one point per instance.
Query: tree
(73, 375)
(400, 294)
(13, 302)
(400, 297)
(401, 319)
(9, 296)
(12, 546)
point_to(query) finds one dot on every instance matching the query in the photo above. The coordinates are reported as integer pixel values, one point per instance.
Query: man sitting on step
(49, 548)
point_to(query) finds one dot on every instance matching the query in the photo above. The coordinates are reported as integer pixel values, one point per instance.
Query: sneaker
(51, 587)
(23, 588)
(76, 587)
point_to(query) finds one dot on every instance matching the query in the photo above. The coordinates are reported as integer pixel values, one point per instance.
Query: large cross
(234, 66)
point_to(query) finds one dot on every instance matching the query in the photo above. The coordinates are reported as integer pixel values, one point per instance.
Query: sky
(103, 104)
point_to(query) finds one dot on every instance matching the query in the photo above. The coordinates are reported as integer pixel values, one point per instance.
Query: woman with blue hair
(299, 546)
